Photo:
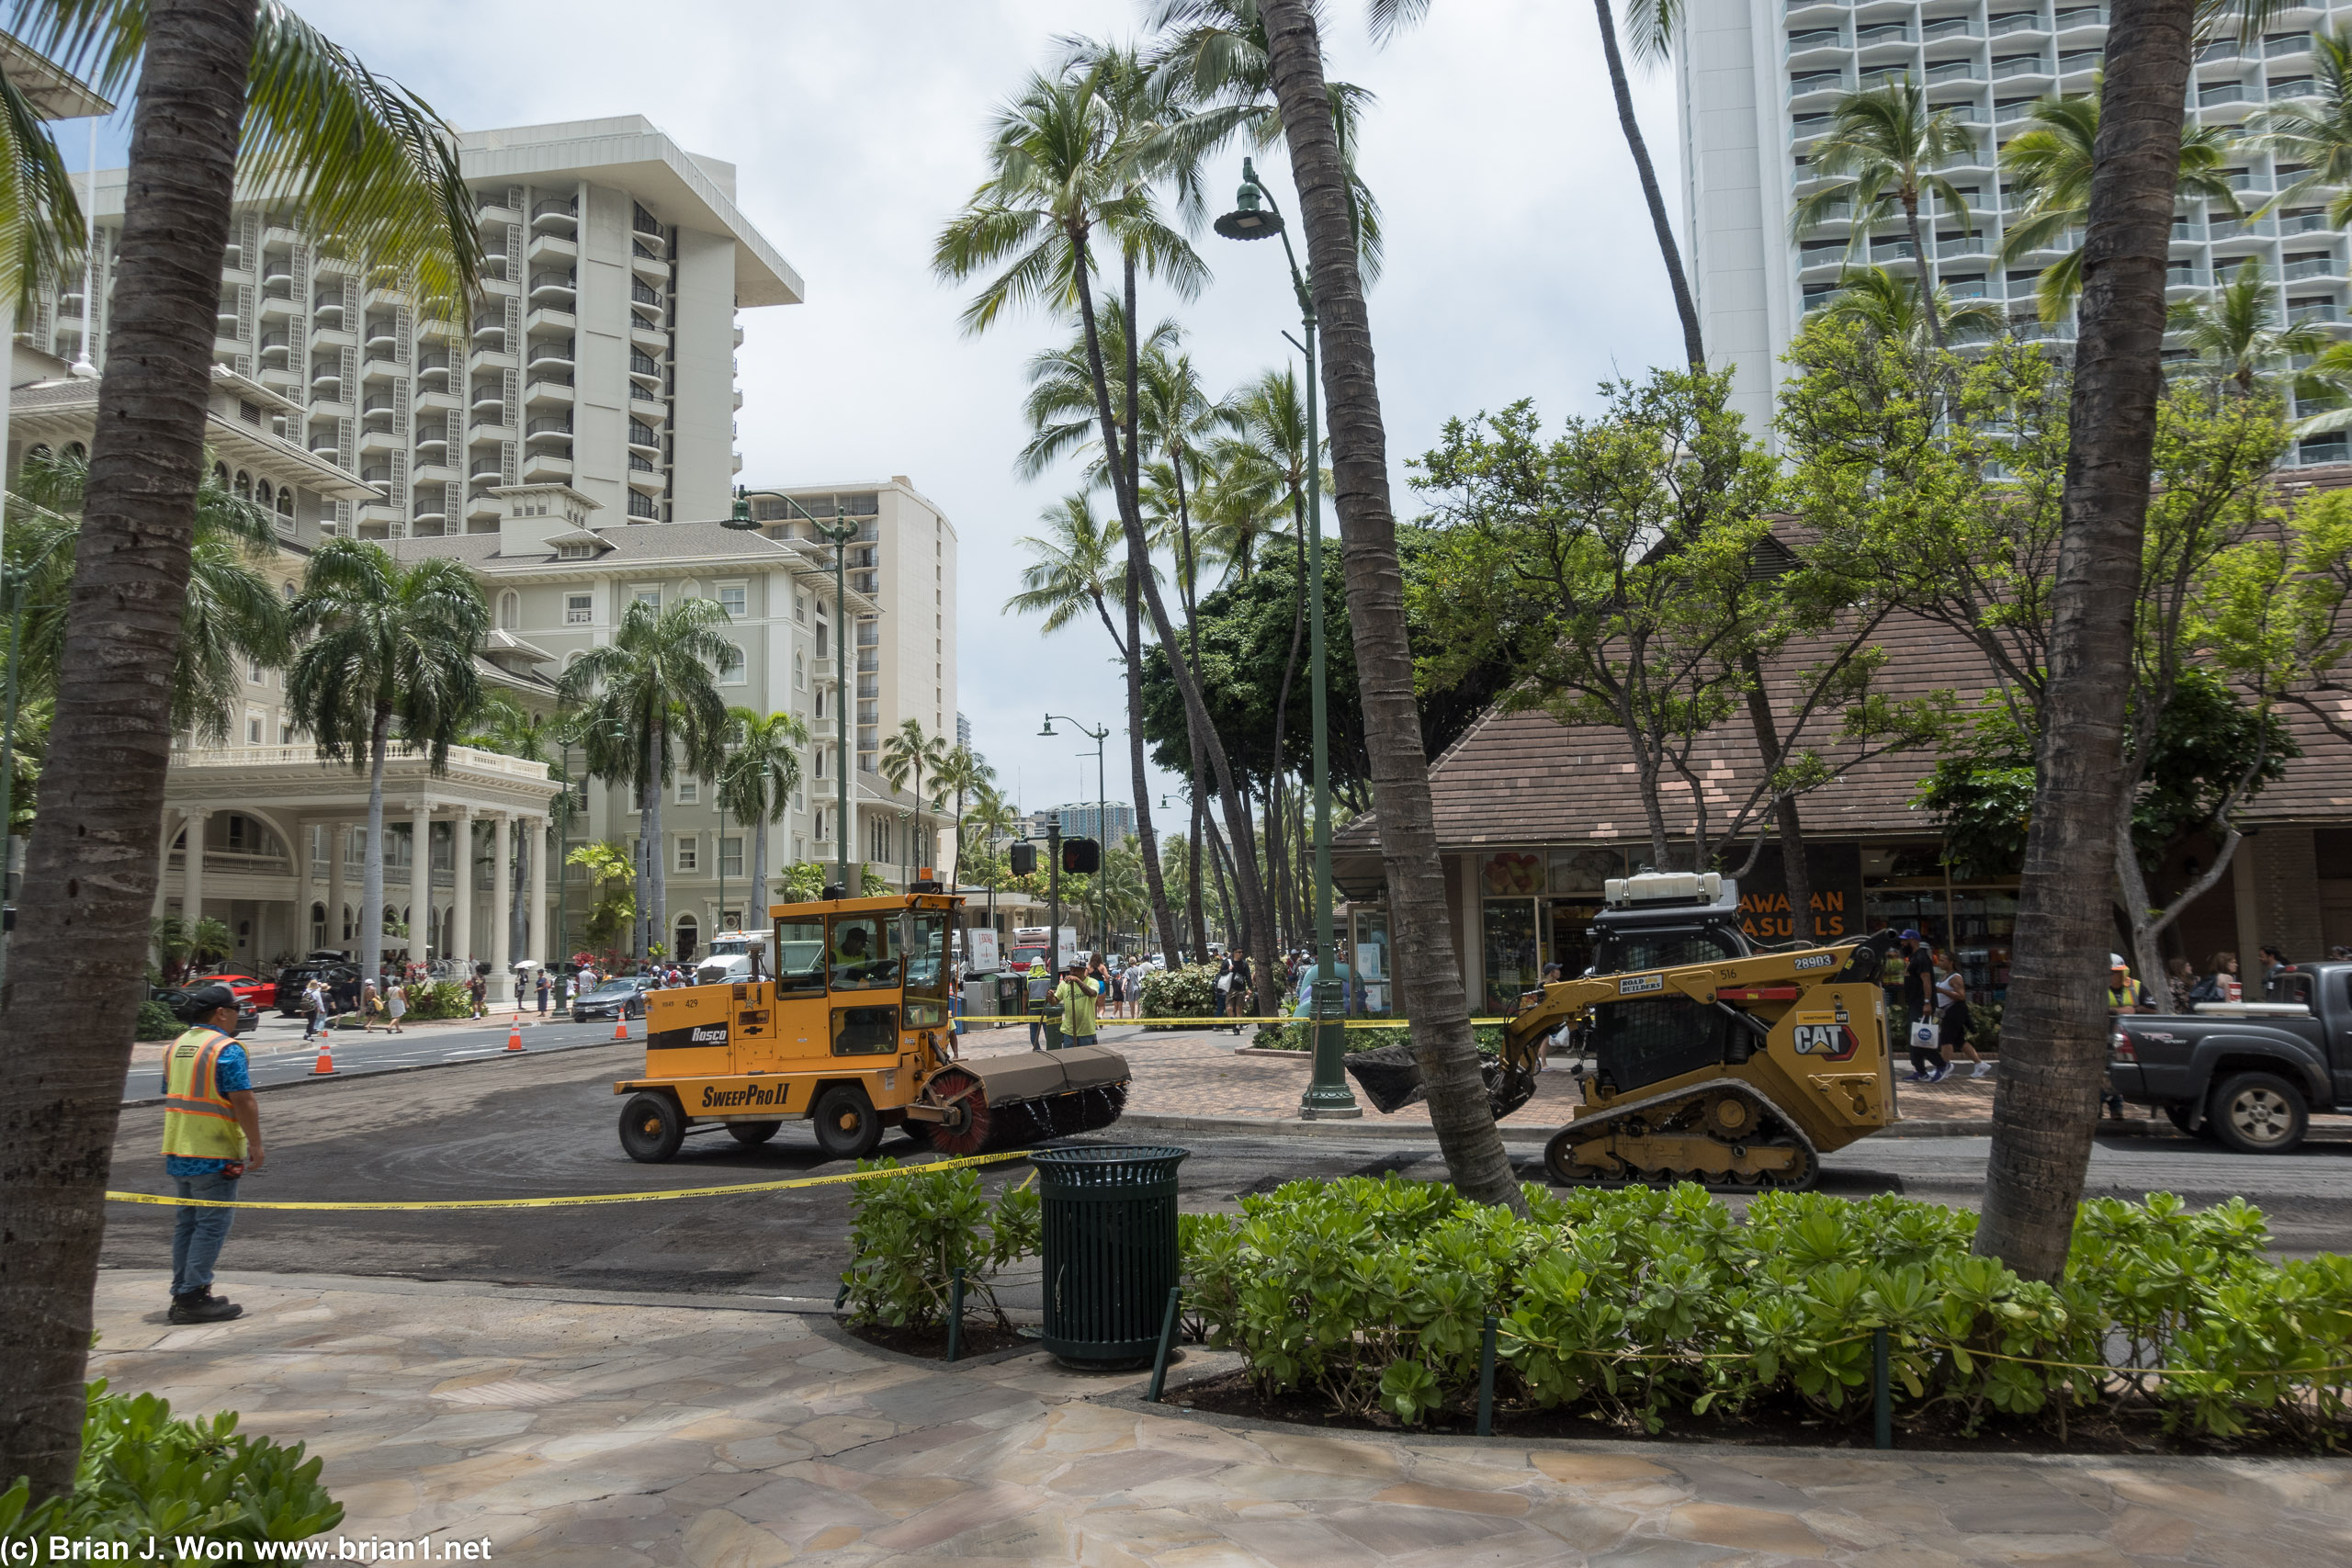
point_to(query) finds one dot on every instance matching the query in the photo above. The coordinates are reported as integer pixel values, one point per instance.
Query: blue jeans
(195, 1240)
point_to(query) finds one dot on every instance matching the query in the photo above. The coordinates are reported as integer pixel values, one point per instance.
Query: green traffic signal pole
(1326, 1096)
(1101, 812)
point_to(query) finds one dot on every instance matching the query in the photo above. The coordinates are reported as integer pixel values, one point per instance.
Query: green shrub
(438, 999)
(1295, 1037)
(909, 1234)
(156, 1023)
(149, 1477)
(1641, 1303)
(1186, 992)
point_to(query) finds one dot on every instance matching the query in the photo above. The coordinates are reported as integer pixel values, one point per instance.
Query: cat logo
(1829, 1042)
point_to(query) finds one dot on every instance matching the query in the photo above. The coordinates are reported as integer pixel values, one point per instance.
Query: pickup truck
(2247, 1074)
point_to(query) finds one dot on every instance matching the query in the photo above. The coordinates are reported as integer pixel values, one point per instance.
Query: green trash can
(1109, 1216)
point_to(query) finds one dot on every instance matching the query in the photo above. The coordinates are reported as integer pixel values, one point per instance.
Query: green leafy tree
(960, 773)
(2048, 166)
(1889, 306)
(1883, 156)
(224, 88)
(649, 700)
(803, 882)
(908, 755)
(757, 781)
(612, 895)
(2276, 613)
(507, 727)
(383, 647)
(2238, 338)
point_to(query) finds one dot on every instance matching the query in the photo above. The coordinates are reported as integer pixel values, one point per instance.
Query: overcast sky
(1519, 263)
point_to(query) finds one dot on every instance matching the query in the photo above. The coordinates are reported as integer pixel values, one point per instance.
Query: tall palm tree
(2237, 336)
(964, 772)
(366, 161)
(1074, 566)
(1072, 159)
(993, 817)
(507, 727)
(1887, 305)
(1432, 986)
(233, 617)
(383, 645)
(907, 753)
(757, 781)
(1882, 154)
(650, 702)
(2050, 167)
(2313, 133)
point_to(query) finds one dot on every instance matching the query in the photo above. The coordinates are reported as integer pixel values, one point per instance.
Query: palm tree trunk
(1189, 587)
(1195, 915)
(1685, 305)
(2054, 1031)
(1248, 887)
(755, 908)
(1147, 839)
(1796, 876)
(1427, 976)
(657, 746)
(81, 945)
(371, 859)
(1923, 258)
(1274, 836)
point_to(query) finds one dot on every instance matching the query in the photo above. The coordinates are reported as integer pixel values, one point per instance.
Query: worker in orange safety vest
(211, 1137)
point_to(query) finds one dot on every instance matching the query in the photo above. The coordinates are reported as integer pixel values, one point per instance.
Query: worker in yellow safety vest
(211, 1137)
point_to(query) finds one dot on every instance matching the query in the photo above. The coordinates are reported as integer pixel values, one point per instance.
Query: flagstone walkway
(612, 1432)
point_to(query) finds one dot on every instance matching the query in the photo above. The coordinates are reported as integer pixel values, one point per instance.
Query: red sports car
(249, 988)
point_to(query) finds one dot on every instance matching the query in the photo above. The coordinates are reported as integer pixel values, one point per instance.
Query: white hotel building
(1757, 80)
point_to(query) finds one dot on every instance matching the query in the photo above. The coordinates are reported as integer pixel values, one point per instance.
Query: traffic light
(1081, 856)
(1025, 859)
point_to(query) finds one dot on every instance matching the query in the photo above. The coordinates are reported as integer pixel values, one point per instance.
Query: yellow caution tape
(1220, 1022)
(588, 1198)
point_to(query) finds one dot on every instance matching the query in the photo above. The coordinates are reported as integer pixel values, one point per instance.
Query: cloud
(1519, 261)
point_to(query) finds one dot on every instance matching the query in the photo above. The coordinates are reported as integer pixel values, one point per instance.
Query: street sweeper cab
(842, 1020)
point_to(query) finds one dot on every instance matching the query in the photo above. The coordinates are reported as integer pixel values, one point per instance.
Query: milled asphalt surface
(544, 1122)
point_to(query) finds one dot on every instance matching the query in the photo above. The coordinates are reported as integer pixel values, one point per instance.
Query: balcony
(2081, 16)
(554, 352)
(549, 465)
(558, 215)
(645, 226)
(2020, 65)
(1884, 251)
(325, 449)
(377, 474)
(435, 365)
(489, 472)
(1885, 33)
(2232, 228)
(644, 365)
(1952, 70)
(491, 204)
(328, 302)
(1948, 27)
(488, 402)
(2014, 22)
(548, 388)
(2222, 93)
(277, 344)
(552, 426)
(381, 440)
(2312, 267)
(2287, 44)
(493, 267)
(557, 291)
(1819, 38)
(2303, 220)
(2291, 88)
(2074, 62)
(1804, 81)
(643, 440)
(1977, 244)
(552, 251)
(483, 508)
(378, 407)
(646, 337)
(489, 332)
(225, 323)
(645, 403)
(2300, 311)
(2004, 113)
(641, 297)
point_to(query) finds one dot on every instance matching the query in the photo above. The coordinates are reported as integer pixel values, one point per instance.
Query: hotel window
(579, 609)
(510, 611)
(731, 600)
(648, 595)
(689, 852)
(731, 666)
(253, 731)
(689, 792)
(800, 608)
(799, 671)
(731, 857)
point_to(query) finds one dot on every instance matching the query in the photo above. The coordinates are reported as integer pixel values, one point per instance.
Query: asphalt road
(544, 1124)
(282, 1058)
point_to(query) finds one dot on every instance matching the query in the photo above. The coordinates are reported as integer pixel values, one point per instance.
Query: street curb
(342, 1074)
(1421, 1132)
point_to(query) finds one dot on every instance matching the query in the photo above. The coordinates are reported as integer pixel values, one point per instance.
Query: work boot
(203, 1306)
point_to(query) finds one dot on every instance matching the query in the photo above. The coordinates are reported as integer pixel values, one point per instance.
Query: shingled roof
(1523, 778)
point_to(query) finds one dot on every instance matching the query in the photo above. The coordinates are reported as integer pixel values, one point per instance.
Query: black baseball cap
(203, 1001)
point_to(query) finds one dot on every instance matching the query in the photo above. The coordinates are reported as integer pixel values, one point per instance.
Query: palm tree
(993, 817)
(909, 753)
(507, 727)
(2313, 133)
(232, 618)
(1432, 986)
(964, 772)
(1073, 566)
(2238, 338)
(2050, 167)
(648, 696)
(1881, 152)
(383, 644)
(1071, 158)
(757, 781)
(219, 82)
(1886, 305)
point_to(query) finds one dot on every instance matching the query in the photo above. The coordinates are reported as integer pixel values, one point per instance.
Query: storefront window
(1371, 970)
(1983, 920)
(1513, 966)
(1584, 871)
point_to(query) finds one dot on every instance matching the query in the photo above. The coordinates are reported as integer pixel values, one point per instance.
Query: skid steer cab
(842, 1022)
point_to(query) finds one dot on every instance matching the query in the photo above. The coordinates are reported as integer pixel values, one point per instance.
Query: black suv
(342, 979)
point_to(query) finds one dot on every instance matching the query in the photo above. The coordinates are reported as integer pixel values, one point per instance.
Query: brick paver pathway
(613, 1436)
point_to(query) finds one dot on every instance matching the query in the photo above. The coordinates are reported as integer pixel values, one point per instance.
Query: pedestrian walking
(370, 1001)
(211, 1137)
(1039, 992)
(1077, 995)
(1237, 1001)
(2124, 995)
(1954, 1022)
(2220, 982)
(2180, 980)
(396, 1005)
(2273, 961)
(314, 1009)
(1098, 973)
(476, 990)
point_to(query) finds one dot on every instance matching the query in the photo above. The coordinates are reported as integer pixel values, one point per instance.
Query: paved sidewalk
(614, 1433)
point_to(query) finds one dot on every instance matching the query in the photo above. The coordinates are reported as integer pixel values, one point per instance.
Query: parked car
(173, 996)
(247, 985)
(342, 985)
(620, 998)
(2247, 1074)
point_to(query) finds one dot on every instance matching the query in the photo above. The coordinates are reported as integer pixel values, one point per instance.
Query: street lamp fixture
(1327, 1095)
(1102, 816)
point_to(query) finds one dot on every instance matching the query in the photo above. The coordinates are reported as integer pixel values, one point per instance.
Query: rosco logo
(1814, 960)
(1634, 985)
(707, 1035)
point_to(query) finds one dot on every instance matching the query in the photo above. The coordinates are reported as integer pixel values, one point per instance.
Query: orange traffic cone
(514, 1037)
(620, 1027)
(325, 1068)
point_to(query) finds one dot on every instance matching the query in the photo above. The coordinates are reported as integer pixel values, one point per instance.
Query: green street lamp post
(838, 534)
(1101, 814)
(1326, 1096)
